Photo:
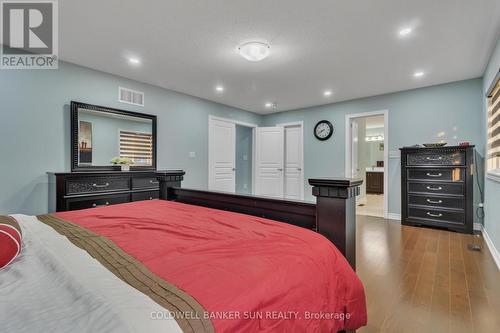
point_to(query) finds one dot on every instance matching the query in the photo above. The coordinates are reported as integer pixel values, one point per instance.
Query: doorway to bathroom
(366, 158)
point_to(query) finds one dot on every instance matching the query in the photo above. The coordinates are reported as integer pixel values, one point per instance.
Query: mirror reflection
(104, 136)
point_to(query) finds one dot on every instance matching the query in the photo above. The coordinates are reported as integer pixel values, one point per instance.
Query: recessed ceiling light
(219, 88)
(254, 51)
(268, 104)
(327, 93)
(405, 32)
(418, 74)
(134, 61)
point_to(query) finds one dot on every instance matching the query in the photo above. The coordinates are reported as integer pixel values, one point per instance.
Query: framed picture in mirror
(101, 136)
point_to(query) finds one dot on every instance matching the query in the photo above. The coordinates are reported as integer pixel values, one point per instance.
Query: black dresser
(79, 190)
(437, 187)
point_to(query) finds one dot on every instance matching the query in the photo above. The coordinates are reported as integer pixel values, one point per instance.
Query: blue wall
(492, 188)
(450, 112)
(34, 131)
(34, 128)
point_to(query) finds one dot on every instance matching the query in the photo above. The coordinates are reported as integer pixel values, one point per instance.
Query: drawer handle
(153, 182)
(96, 205)
(150, 198)
(100, 186)
(439, 188)
(434, 158)
(434, 174)
(434, 201)
(434, 215)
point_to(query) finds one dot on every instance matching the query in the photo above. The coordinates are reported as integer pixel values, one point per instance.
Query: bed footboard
(333, 215)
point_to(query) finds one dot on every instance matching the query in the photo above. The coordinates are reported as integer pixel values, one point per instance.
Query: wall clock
(323, 130)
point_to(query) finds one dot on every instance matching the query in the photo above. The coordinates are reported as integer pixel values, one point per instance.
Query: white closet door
(222, 154)
(294, 186)
(269, 158)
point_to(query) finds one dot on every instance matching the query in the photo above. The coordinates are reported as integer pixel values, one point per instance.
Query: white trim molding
(493, 250)
(394, 216)
(236, 122)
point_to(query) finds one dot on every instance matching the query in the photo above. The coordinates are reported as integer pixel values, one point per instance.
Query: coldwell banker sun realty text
(29, 35)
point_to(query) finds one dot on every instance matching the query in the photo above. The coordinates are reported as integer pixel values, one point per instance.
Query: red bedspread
(250, 273)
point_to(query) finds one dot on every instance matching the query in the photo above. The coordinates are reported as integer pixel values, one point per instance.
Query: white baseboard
(394, 216)
(493, 250)
(478, 226)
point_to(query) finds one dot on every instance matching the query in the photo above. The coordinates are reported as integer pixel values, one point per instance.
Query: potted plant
(124, 162)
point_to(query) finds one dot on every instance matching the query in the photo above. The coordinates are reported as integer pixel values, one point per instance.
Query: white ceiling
(350, 47)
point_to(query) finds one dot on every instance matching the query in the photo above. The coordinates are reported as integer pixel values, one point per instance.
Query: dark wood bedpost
(169, 179)
(336, 212)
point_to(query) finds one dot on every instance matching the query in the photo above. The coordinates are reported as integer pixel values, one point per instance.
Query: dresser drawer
(148, 195)
(444, 216)
(91, 185)
(435, 201)
(97, 201)
(147, 182)
(436, 158)
(451, 174)
(436, 188)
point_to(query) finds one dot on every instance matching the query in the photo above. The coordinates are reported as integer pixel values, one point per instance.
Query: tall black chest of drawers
(437, 187)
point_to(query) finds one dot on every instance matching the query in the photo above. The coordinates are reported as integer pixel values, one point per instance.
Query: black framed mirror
(100, 134)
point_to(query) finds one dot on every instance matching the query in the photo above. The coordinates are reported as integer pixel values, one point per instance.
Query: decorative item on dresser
(437, 187)
(79, 190)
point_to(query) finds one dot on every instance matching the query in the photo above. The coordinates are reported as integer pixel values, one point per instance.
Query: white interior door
(269, 160)
(221, 156)
(294, 180)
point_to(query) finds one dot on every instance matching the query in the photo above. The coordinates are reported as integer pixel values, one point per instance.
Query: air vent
(130, 96)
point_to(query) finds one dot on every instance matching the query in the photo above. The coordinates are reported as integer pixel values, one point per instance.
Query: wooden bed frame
(333, 215)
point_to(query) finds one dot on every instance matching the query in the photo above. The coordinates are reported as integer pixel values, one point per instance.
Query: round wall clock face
(323, 130)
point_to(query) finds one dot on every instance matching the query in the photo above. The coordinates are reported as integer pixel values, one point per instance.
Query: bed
(181, 265)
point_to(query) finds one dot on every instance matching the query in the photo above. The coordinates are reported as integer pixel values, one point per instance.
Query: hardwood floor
(372, 205)
(426, 280)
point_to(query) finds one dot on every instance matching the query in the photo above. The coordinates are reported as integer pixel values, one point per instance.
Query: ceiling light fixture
(254, 51)
(268, 104)
(219, 88)
(418, 74)
(327, 93)
(134, 61)
(405, 32)
(374, 138)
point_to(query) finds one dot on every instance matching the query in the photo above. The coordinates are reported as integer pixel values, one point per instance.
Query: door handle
(280, 169)
(434, 174)
(299, 169)
(439, 188)
(234, 169)
(434, 215)
(434, 201)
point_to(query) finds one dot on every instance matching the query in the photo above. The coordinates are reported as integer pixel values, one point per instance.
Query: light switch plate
(192, 154)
